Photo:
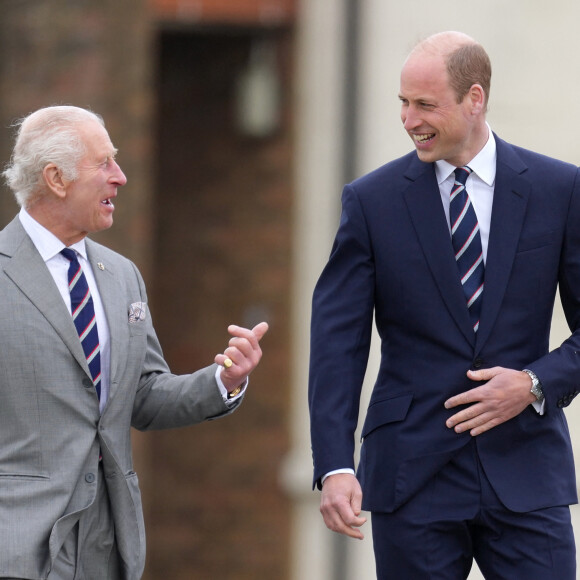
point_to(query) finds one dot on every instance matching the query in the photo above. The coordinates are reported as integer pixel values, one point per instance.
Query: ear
(53, 179)
(476, 98)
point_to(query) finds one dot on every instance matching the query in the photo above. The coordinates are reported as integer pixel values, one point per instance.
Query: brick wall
(265, 12)
(223, 229)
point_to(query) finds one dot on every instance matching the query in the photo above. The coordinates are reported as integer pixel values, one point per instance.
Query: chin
(427, 156)
(105, 225)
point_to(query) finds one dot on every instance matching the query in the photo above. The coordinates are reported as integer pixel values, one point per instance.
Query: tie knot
(69, 254)
(462, 173)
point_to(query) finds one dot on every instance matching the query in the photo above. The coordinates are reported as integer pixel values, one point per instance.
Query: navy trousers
(457, 518)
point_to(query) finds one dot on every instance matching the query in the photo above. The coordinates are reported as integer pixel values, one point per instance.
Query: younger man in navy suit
(456, 250)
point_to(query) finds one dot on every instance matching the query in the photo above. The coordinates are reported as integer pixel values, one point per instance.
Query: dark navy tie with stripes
(466, 241)
(83, 313)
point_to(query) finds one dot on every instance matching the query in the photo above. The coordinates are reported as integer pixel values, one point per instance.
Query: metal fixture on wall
(258, 91)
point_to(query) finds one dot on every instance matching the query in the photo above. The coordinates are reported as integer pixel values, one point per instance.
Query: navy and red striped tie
(83, 313)
(466, 241)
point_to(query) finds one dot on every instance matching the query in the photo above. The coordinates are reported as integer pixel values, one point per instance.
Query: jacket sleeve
(342, 316)
(164, 400)
(559, 371)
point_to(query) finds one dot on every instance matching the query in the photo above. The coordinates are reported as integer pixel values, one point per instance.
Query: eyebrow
(112, 154)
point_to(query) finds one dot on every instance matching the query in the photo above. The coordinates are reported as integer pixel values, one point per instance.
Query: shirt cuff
(224, 391)
(345, 470)
(540, 406)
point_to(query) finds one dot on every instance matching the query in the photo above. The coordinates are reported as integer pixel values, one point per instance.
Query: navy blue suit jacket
(392, 258)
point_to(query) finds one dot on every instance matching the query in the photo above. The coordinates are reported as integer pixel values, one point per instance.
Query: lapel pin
(100, 265)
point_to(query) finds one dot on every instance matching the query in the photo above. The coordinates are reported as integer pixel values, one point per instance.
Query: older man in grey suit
(71, 386)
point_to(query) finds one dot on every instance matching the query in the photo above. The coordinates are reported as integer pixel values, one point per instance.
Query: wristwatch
(536, 389)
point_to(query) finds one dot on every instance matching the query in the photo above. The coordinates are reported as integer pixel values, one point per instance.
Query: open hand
(505, 395)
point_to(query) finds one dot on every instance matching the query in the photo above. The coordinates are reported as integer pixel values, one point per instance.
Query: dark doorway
(222, 255)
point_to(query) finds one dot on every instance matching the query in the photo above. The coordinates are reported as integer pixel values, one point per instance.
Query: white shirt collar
(483, 164)
(47, 244)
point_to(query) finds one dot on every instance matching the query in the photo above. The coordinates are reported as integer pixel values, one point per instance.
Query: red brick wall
(262, 12)
(223, 231)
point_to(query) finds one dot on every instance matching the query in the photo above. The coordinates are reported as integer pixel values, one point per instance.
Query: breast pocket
(536, 241)
(137, 318)
(138, 328)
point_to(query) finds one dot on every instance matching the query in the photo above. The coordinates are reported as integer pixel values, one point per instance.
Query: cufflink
(235, 392)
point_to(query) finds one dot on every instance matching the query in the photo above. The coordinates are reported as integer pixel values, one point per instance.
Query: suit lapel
(510, 200)
(29, 272)
(426, 211)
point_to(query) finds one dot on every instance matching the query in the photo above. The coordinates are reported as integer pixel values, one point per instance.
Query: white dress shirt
(480, 186)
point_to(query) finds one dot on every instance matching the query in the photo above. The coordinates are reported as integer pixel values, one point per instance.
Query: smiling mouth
(424, 138)
(107, 202)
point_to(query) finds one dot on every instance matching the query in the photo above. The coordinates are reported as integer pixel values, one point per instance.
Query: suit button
(87, 383)
(477, 363)
(90, 477)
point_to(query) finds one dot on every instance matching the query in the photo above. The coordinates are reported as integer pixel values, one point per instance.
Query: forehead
(95, 139)
(424, 75)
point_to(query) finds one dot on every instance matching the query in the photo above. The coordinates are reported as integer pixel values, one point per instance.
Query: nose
(409, 117)
(118, 176)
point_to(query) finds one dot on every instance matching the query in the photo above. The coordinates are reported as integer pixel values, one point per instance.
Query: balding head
(443, 43)
(465, 59)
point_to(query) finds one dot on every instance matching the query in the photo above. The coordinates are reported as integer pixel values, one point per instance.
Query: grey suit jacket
(51, 432)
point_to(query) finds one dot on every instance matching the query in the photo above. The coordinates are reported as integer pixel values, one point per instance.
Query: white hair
(49, 135)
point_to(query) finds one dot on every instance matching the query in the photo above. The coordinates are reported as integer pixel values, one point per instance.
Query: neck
(43, 210)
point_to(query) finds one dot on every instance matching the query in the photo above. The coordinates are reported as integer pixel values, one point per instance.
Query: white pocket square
(137, 311)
